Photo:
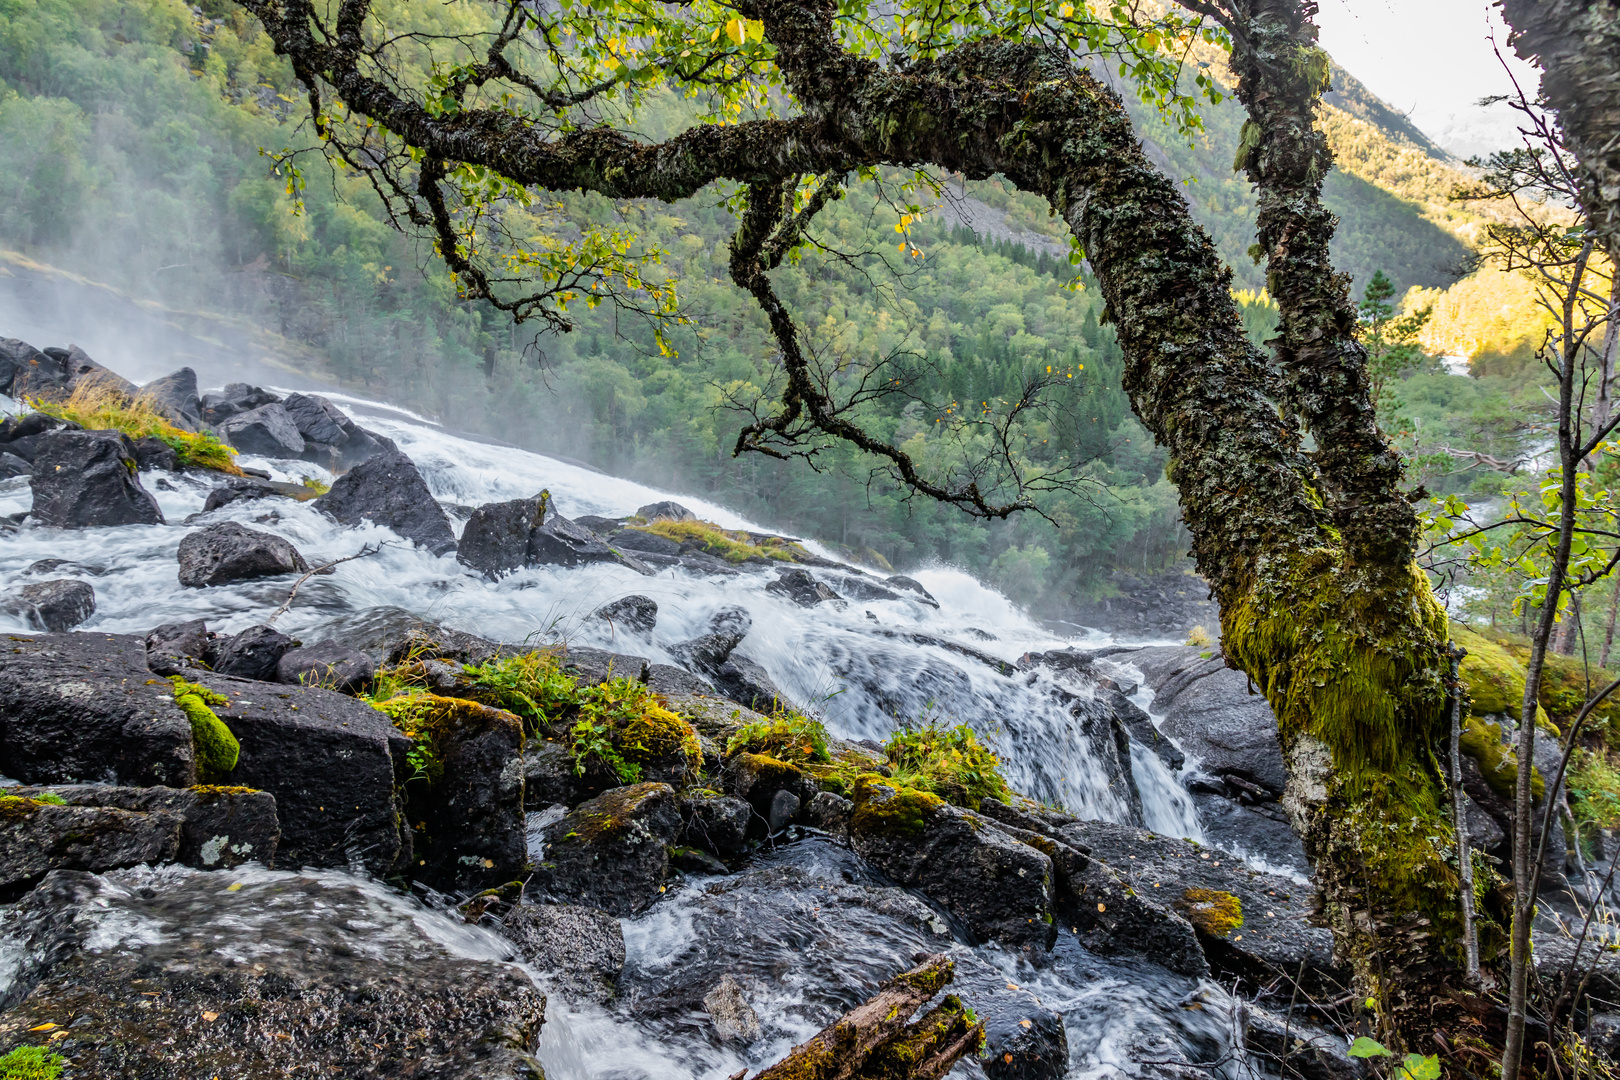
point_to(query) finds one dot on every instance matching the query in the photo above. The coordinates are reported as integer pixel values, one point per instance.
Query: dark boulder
(174, 397)
(716, 823)
(251, 654)
(158, 997)
(588, 667)
(84, 479)
(707, 652)
(20, 435)
(317, 420)
(665, 511)
(635, 613)
(610, 853)
(331, 664)
(1026, 1044)
(235, 398)
(1001, 889)
(81, 371)
(38, 837)
(549, 776)
(267, 431)
(579, 950)
(227, 552)
(561, 542)
(153, 453)
(174, 647)
(913, 587)
(333, 765)
(14, 353)
(863, 588)
(828, 812)
(496, 538)
(84, 707)
(387, 490)
(219, 827)
(237, 488)
(55, 605)
(429, 642)
(1140, 727)
(644, 543)
(40, 375)
(747, 683)
(11, 465)
(801, 587)
(1102, 729)
(601, 526)
(669, 679)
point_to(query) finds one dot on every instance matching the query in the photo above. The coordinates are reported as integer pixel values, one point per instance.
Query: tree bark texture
(1320, 600)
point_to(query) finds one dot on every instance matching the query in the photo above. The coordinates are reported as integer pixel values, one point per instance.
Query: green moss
(216, 749)
(607, 816)
(1565, 685)
(785, 734)
(533, 685)
(1495, 680)
(1214, 912)
(50, 798)
(425, 719)
(16, 808)
(625, 726)
(31, 1063)
(207, 793)
(1593, 780)
(884, 808)
(96, 405)
(949, 762)
(1482, 741)
(734, 547)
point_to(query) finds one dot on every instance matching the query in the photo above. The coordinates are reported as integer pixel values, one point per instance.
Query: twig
(369, 549)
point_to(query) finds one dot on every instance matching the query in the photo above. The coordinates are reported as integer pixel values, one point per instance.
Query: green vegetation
(885, 808)
(215, 747)
(1593, 780)
(625, 726)
(785, 735)
(1214, 912)
(31, 1063)
(96, 405)
(533, 685)
(734, 547)
(949, 762)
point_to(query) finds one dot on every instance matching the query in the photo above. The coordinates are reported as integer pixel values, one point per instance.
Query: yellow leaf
(756, 30)
(42, 1027)
(737, 30)
(1066, 10)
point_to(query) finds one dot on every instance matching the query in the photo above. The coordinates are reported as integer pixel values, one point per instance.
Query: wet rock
(1001, 889)
(237, 488)
(667, 679)
(153, 453)
(747, 683)
(251, 654)
(610, 852)
(1100, 726)
(1142, 732)
(467, 819)
(665, 511)
(84, 479)
(635, 613)
(716, 823)
(591, 666)
(691, 860)
(227, 552)
(644, 543)
(801, 587)
(20, 435)
(734, 1019)
(220, 827)
(317, 420)
(601, 526)
(707, 652)
(157, 997)
(580, 950)
(1114, 919)
(1033, 1046)
(81, 371)
(14, 353)
(267, 431)
(828, 812)
(11, 465)
(332, 764)
(38, 837)
(174, 647)
(387, 490)
(55, 605)
(235, 398)
(1275, 935)
(760, 781)
(331, 664)
(429, 642)
(913, 587)
(549, 776)
(784, 807)
(496, 538)
(862, 588)
(561, 542)
(174, 397)
(1308, 1051)
(84, 707)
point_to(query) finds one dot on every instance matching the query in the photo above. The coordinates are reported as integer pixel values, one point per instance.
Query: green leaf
(1364, 1047)
(1419, 1067)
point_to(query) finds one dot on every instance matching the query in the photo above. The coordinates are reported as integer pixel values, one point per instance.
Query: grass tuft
(96, 405)
(949, 762)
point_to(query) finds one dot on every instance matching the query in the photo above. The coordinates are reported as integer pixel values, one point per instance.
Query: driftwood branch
(368, 550)
(874, 1039)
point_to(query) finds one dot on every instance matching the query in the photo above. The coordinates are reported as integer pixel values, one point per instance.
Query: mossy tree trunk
(1310, 555)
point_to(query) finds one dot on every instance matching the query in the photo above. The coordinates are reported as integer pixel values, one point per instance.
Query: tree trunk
(1568, 628)
(1608, 629)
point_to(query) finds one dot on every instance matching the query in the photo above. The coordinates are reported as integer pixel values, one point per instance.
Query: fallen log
(875, 1041)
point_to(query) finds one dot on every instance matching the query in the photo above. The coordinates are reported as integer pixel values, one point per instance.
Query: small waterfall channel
(806, 928)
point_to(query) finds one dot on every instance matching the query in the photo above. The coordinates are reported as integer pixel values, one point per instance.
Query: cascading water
(808, 928)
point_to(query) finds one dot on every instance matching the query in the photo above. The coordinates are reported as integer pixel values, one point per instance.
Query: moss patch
(425, 719)
(207, 793)
(785, 734)
(17, 808)
(1213, 912)
(97, 405)
(734, 547)
(216, 749)
(1482, 741)
(626, 727)
(884, 808)
(1494, 678)
(31, 1063)
(949, 762)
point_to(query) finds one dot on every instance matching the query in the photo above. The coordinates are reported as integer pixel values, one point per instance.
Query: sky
(1433, 60)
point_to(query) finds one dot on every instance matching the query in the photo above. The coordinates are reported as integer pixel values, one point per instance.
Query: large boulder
(255, 653)
(84, 707)
(174, 397)
(387, 490)
(11, 465)
(14, 353)
(496, 538)
(38, 837)
(238, 488)
(644, 543)
(331, 664)
(579, 950)
(611, 853)
(20, 435)
(220, 827)
(170, 974)
(174, 648)
(235, 398)
(711, 649)
(40, 375)
(1001, 889)
(227, 552)
(801, 587)
(317, 420)
(748, 683)
(267, 431)
(560, 542)
(55, 605)
(153, 453)
(83, 479)
(333, 764)
(717, 824)
(665, 511)
(635, 613)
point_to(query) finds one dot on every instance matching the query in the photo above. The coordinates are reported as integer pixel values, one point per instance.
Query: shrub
(949, 762)
(98, 406)
(785, 735)
(1593, 780)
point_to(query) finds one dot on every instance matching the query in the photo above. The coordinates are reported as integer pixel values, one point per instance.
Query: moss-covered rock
(1495, 680)
(216, 749)
(611, 852)
(1214, 912)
